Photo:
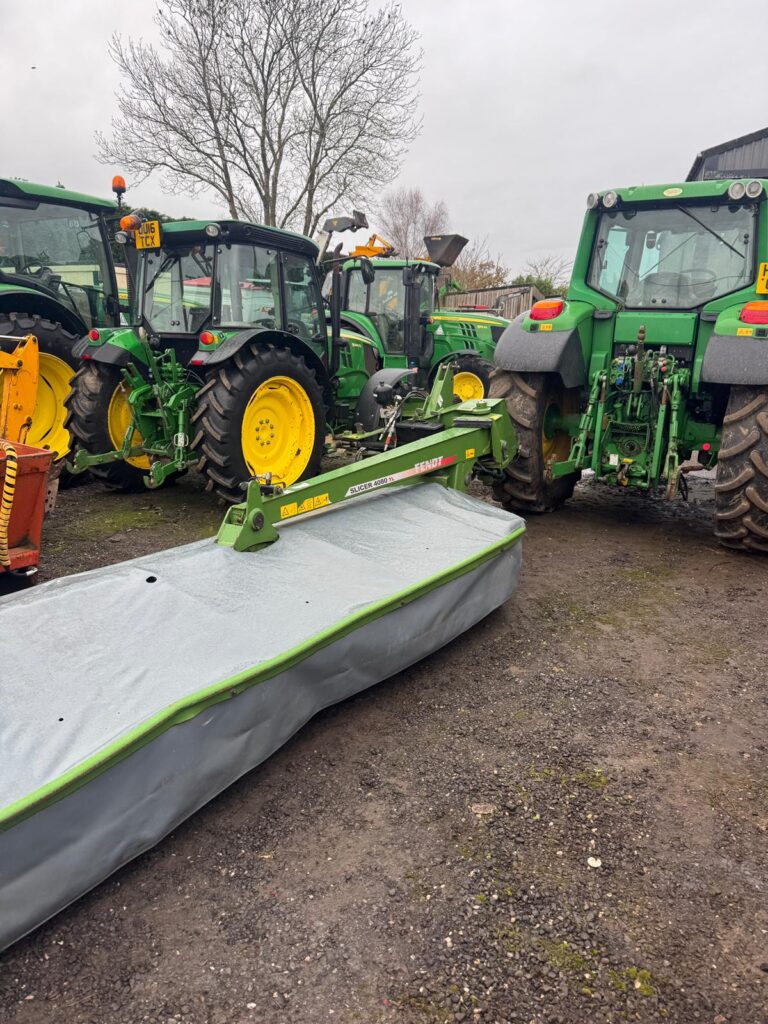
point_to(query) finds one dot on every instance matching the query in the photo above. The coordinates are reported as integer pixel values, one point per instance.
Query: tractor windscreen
(59, 250)
(673, 257)
(176, 288)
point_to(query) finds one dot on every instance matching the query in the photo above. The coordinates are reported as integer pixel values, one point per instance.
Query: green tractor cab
(381, 310)
(229, 364)
(655, 362)
(57, 281)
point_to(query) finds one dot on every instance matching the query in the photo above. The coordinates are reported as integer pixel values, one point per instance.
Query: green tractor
(377, 309)
(230, 364)
(657, 353)
(57, 281)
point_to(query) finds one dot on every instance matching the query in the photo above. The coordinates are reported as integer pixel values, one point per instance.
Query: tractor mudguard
(730, 360)
(113, 355)
(367, 411)
(542, 352)
(226, 350)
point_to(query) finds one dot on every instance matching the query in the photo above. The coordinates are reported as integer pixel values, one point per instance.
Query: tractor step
(193, 665)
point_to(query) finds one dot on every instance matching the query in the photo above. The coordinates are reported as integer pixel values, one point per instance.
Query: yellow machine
(19, 376)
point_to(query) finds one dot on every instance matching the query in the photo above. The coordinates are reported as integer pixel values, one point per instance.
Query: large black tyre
(472, 374)
(527, 485)
(261, 412)
(57, 368)
(94, 387)
(741, 485)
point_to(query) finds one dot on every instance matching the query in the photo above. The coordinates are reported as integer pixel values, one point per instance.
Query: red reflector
(547, 309)
(706, 446)
(195, 362)
(87, 355)
(93, 334)
(206, 338)
(754, 313)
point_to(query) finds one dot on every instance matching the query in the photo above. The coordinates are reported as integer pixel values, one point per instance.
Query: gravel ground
(561, 817)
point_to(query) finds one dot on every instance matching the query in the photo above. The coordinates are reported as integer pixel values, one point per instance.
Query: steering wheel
(705, 286)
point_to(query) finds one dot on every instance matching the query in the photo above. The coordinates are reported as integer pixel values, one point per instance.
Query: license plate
(148, 235)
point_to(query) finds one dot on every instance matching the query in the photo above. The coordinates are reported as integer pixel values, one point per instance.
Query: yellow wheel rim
(118, 421)
(278, 430)
(48, 429)
(468, 386)
(556, 445)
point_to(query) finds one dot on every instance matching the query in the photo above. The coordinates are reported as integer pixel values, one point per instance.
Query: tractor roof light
(212, 230)
(754, 189)
(754, 313)
(118, 185)
(737, 190)
(592, 200)
(610, 199)
(547, 309)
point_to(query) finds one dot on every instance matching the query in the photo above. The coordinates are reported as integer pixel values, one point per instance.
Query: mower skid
(110, 738)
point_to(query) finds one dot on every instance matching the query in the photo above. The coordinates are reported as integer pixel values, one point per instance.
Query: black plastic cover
(542, 352)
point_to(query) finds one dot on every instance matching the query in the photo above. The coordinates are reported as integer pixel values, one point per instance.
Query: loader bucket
(444, 250)
(109, 739)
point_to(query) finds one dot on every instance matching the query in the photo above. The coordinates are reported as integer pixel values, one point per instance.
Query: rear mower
(321, 589)
(658, 352)
(229, 365)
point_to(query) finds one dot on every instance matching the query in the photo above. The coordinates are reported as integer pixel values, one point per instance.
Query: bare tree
(550, 274)
(406, 216)
(284, 109)
(477, 268)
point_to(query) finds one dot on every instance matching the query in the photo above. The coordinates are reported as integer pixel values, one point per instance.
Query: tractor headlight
(212, 230)
(754, 189)
(592, 200)
(609, 200)
(736, 190)
(121, 237)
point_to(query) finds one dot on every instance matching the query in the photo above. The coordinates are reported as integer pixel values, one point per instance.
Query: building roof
(744, 157)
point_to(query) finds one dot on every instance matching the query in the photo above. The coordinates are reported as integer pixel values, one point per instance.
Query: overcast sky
(527, 107)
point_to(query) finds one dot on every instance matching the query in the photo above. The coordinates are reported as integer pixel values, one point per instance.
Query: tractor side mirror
(367, 270)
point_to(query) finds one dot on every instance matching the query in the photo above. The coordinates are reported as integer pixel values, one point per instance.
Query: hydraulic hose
(6, 502)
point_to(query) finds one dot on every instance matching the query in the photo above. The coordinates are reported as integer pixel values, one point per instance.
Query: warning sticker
(744, 332)
(428, 466)
(762, 279)
(295, 508)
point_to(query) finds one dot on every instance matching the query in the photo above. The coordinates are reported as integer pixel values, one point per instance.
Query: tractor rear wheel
(534, 401)
(741, 485)
(472, 378)
(98, 418)
(261, 412)
(57, 367)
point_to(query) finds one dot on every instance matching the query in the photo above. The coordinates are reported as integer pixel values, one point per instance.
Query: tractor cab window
(176, 289)
(383, 302)
(61, 251)
(248, 277)
(303, 304)
(673, 257)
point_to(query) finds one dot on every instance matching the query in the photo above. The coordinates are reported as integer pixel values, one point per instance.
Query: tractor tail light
(93, 335)
(547, 309)
(754, 313)
(207, 338)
